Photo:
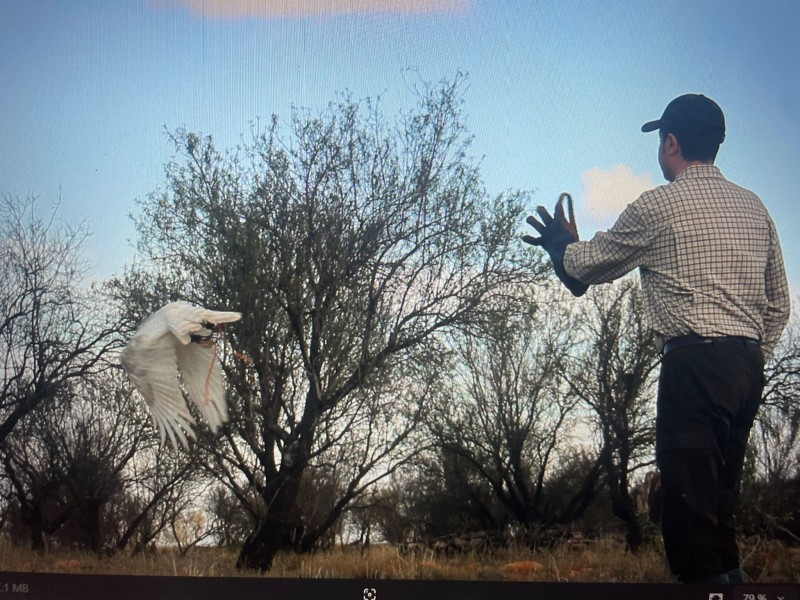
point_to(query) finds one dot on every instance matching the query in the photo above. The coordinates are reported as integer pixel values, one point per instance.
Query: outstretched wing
(160, 349)
(150, 360)
(198, 363)
(202, 377)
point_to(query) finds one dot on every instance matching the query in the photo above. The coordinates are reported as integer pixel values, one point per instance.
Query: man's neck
(692, 163)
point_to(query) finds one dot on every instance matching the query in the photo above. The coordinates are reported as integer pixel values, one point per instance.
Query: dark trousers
(708, 396)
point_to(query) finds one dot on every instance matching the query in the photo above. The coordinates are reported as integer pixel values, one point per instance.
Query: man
(716, 296)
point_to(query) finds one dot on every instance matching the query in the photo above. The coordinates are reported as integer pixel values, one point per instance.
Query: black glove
(556, 234)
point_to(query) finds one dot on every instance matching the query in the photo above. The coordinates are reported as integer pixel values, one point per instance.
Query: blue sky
(557, 91)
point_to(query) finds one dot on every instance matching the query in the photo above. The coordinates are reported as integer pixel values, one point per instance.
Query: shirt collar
(699, 172)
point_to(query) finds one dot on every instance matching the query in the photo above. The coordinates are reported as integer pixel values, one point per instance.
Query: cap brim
(651, 126)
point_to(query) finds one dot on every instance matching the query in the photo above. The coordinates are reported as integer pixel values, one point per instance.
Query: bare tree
(229, 521)
(349, 248)
(160, 490)
(49, 334)
(777, 427)
(68, 431)
(51, 339)
(40, 492)
(612, 375)
(62, 472)
(89, 441)
(507, 415)
(771, 483)
(443, 495)
(85, 471)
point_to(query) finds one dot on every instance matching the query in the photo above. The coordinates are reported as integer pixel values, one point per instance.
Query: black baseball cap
(691, 115)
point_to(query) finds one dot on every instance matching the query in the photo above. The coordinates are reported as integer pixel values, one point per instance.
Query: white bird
(178, 337)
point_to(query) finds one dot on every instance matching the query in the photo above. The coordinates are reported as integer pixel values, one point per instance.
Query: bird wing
(202, 377)
(151, 363)
(159, 349)
(199, 365)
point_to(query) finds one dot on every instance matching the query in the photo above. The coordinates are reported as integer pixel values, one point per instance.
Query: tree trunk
(91, 512)
(274, 532)
(623, 506)
(37, 533)
(633, 526)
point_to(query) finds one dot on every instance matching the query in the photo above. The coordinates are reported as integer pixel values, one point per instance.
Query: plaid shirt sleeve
(777, 291)
(613, 253)
(709, 259)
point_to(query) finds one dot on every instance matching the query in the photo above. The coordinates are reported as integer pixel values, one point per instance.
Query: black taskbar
(53, 586)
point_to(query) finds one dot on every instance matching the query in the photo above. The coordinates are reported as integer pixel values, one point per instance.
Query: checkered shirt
(708, 255)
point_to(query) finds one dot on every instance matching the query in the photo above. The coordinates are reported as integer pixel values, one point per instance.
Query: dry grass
(590, 561)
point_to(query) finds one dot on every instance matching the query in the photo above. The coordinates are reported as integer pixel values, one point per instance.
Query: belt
(693, 340)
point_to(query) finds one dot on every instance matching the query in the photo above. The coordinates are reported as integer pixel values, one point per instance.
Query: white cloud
(242, 9)
(607, 193)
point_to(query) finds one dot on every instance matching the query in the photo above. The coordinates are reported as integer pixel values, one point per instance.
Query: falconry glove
(556, 234)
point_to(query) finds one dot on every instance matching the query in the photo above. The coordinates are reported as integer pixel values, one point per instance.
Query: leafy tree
(350, 245)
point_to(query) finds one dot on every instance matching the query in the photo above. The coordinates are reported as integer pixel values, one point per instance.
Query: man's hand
(556, 234)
